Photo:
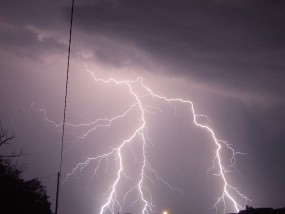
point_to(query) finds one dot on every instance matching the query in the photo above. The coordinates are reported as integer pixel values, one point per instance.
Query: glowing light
(229, 195)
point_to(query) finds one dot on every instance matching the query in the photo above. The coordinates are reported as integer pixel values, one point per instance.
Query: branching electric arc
(229, 195)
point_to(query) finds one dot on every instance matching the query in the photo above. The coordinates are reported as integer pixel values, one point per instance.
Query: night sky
(227, 56)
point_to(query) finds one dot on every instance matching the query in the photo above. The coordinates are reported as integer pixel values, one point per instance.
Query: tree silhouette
(19, 196)
(5, 139)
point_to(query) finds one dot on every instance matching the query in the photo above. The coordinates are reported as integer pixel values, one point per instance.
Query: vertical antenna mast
(64, 111)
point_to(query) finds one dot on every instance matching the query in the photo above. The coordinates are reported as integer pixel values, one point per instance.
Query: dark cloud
(223, 43)
(26, 42)
(42, 13)
(24, 28)
(230, 43)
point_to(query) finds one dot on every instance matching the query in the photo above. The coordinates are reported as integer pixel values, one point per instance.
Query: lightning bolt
(229, 196)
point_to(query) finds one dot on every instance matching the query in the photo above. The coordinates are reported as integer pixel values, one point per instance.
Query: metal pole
(64, 112)
(57, 191)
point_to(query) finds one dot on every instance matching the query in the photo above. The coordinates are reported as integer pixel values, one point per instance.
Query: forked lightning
(230, 196)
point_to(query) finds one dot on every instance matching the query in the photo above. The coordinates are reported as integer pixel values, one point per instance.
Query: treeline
(19, 196)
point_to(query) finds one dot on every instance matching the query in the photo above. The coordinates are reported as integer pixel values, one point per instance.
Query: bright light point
(165, 212)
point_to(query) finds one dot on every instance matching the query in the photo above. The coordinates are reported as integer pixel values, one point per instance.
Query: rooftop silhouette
(267, 210)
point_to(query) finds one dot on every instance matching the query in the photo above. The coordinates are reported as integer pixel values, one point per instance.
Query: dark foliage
(18, 196)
